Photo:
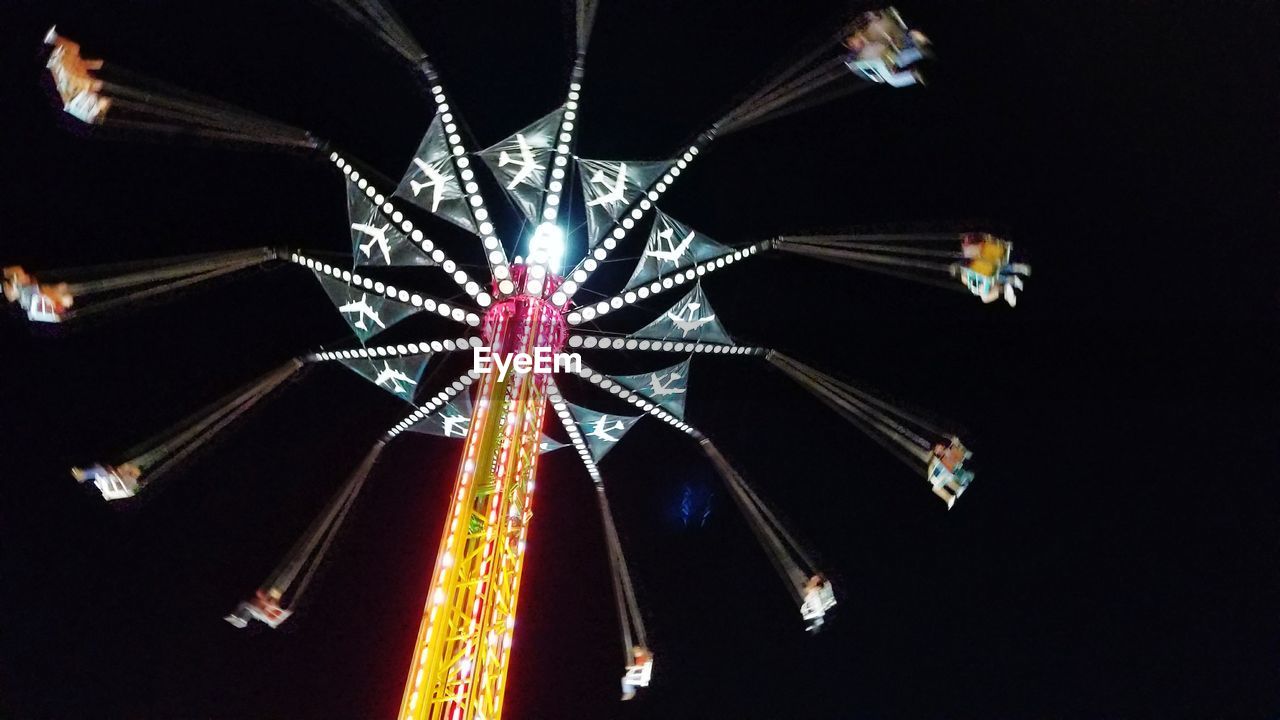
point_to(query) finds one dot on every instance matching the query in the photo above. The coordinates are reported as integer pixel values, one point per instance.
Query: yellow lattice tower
(459, 665)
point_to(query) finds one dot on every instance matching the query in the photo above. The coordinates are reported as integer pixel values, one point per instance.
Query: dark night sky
(1116, 557)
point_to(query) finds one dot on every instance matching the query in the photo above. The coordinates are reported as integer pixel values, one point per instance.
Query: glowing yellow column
(459, 665)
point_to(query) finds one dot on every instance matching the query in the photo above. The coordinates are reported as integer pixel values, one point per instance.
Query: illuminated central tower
(460, 660)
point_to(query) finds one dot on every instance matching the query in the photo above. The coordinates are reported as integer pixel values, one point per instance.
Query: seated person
(15, 280)
(37, 300)
(60, 295)
(881, 50)
(952, 456)
(112, 482)
(914, 49)
(988, 272)
(819, 597)
(264, 606)
(48, 304)
(78, 89)
(638, 672)
(947, 484)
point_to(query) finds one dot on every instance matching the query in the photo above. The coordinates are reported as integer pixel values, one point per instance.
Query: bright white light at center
(547, 246)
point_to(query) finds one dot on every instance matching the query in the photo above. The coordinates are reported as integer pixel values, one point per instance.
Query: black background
(1117, 556)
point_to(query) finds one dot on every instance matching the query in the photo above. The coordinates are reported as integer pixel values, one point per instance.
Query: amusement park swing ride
(525, 308)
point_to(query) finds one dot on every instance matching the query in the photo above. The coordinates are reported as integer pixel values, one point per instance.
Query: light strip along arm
(452, 312)
(436, 402)
(639, 400)
(566, 140)
(556, 182)
(635, 211)
(426, 346)
(592, 341)
(575, 436)
(666, 282)
(494, 253)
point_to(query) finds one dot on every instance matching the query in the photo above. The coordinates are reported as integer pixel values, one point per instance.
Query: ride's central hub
(529, 314)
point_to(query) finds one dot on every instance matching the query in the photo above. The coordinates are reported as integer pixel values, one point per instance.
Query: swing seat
(113, 487)
(108, 482)
(880, 71)
(817, 604)
(638, 675)
(43, 309)
(946, 484)
(261, 608)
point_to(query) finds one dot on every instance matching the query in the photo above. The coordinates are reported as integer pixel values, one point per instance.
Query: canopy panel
(520, 162)
(690, 319)
(451, 421)
(375, 240)
(672, 246)
(667, 387)
(397, 375)
(431, 182)
(611, 186)
(601, 431)
(548, 444)
(367, 313)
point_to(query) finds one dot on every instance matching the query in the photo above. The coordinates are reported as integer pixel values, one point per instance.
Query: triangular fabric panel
(431, 182)
(375, 240)
(520, 163)
(548, 444)
(367, 313)
(610, 187)
(668, 387)
(690, 319)
(672, 246)
(397, 375)
(451, 421)
(601, 431)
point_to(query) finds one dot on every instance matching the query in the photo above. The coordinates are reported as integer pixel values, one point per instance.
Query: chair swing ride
(524, 307)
